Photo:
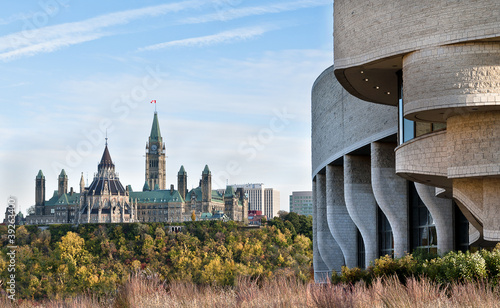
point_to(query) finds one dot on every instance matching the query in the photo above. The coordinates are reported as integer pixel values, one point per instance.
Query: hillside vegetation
(66, 260)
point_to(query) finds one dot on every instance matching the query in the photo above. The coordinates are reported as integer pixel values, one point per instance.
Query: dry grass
(150, 291)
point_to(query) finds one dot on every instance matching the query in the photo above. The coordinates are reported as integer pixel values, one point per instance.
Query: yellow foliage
(86, 276)
(280, 238)
(72, 249)
(281, 260)
(136, 265)
(3, 264)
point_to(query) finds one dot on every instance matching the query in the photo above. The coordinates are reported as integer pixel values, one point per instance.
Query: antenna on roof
(106, 137)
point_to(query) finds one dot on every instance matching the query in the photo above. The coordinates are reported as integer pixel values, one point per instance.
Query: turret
(146, 186)
(62, 187)
(40, 189)
(206, 185)
(82, 184)
(182, 182)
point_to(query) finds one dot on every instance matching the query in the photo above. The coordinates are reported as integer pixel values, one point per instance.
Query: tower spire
(155, 135)
(155, 157)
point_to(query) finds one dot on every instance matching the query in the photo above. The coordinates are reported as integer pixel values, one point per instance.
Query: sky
(232, 80)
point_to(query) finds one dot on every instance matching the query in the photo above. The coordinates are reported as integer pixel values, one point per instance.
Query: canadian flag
(153, 101)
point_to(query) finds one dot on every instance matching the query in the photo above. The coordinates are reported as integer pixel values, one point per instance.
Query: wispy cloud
(14, 18)
(221, 37)
(234, 13)
(51, 38)
(15, 85)
(48, 46)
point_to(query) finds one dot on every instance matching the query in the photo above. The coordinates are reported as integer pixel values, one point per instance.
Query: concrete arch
(328, 248)
(442, 212)
(340, 223)
(361, 203)
(391, 193)
(319, 266)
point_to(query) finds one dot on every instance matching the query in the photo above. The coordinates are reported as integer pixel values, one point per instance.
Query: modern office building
(266, 200)
(301, 202)
(406, 131)
(271, 202)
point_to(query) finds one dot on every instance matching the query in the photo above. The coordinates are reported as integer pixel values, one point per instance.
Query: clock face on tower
(154, 147)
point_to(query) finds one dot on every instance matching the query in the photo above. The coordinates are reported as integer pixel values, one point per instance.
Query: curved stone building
(406, 130)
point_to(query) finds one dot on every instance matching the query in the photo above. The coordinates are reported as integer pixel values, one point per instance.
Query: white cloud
(234, 13)
(49, 46)
(50, 38)
(221, 37)
(14, 18)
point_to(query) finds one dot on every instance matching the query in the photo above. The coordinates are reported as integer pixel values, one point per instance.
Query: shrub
(354, 275)
(492, 260)
(457, 267)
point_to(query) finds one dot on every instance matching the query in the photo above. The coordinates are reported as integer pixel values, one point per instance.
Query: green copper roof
(64, 199)
(229, 191)
(216, 196)
(155, 196)
(63, 174)
(146, 186)
(206, 170)
(155, 130)
(157, 187)
(182, 171)
(206, 215)
(40, 175)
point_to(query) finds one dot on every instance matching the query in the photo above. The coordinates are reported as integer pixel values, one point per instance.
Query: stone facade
(327, 246)
(340, 223)
(390, 191)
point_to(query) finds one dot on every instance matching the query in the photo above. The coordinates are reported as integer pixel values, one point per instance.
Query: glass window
(461, 229)
(386, 242)
(361, 250)
(423, 230)
(409, 129)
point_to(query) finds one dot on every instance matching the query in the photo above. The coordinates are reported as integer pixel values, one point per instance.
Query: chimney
(71, 191)
(171, 189)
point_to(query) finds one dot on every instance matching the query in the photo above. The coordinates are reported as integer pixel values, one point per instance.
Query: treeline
(297, 224)
(65, 260)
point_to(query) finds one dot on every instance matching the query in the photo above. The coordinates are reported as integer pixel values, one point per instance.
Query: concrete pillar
(340, 223)
(361, 203)
(442, 213)
(391, 193)
(320, 268)
(328, 248)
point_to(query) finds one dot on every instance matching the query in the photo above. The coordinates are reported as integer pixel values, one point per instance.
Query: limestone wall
(444, 81)
(368, 30)
(342, 123)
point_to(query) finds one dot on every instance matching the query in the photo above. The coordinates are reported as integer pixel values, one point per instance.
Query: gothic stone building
(105, 200)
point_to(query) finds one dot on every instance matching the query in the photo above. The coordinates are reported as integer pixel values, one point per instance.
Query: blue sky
(232, 80)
